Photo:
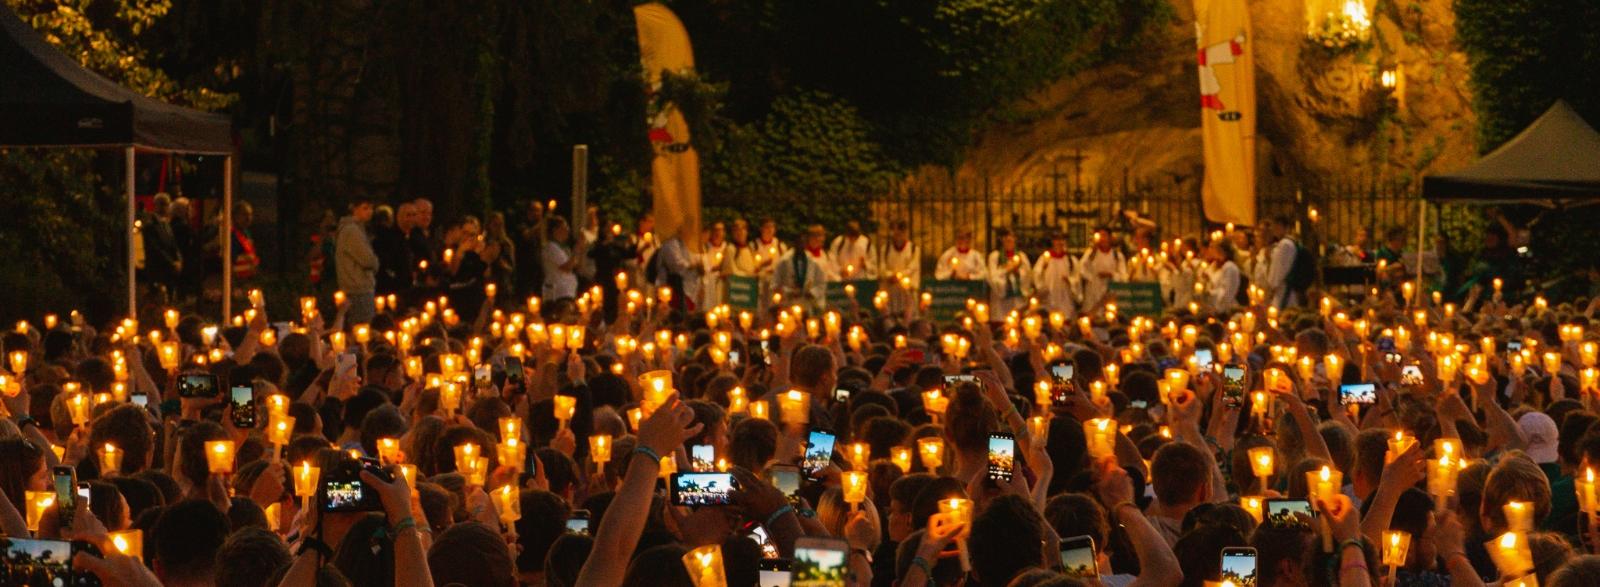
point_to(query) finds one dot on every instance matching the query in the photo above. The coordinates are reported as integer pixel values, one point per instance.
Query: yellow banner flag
(1227, 110)
(675, 171)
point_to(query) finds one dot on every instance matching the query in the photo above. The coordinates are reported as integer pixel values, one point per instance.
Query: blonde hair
(834, 514)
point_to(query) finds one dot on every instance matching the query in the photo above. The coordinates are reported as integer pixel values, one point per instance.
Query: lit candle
(1511, 554)
(1100, 435)
(78, 407)
(859, 454)
(1519, 516)
(1252, 505)
(1261, 463)
(219, 456)
(129, 543)
(509, 501)
(1324, 485)
(1038, 430)
(795, 407)
(956, 510)
(409, 472)
(1395, 546)
(657, 386)
(389, 451)
(110, 460)
(854, 484)
(901, 456)
(466, 455)
(38, 502)
(305, 479)
(1442, 478)
(931, 449)
(1398, 445)
(1588, 498)
(600, 448)
(280, 429)
(450, 397)
(705, 566)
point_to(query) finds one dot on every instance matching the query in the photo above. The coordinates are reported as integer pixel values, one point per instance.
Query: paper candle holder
(600, 448)
(931, 451)
(859, 454)
(511, 426)
(705, 566)
(130, 543)
(512, 453)
(854, 485)
(37, 502)
(306, 478)
(1396, 545)
(466, 454)
(110, 459)
(509, 502)
(280, 429)
(901, 457)
(1511, 554)
(795, 407)
(1100, 435)
(219, 456)
(1254, 505)
(389, 451)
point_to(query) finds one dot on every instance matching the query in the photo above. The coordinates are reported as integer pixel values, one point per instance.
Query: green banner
(1136, 298)
(950, 296)
(744, 293)
(865, 289)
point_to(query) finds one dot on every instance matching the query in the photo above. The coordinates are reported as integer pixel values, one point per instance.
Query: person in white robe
(852, 253)
(1100, 265)
(960, 261)
(802, 276)
(1055, 278)
(1010, 277)
(714, 252)
(900, 270)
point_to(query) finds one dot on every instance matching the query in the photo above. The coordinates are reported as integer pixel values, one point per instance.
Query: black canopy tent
(1554, 162)
(48, 100)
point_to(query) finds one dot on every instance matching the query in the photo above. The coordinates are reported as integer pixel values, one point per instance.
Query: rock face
(1324, 113)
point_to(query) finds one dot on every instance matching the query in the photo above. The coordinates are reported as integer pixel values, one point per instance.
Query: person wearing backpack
(1291, 268)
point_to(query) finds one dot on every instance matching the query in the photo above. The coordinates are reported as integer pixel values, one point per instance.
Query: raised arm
(663, 431)
(1157, 564)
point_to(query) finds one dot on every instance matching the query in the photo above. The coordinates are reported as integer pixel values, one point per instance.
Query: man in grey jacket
(355, 262)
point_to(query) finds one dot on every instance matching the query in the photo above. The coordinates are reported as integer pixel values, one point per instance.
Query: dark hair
(186, 538)
(1005, 540)
(559, 469)
(471, 553)
(752, 443)
(1178, 472)
(969, 419)
(127, 427)
(140, 494)
(658, 566)
(366, 554)
(544, 519)
(249, 558)
(356, 407)
(565, 559)
(1199, 553)
(1076, 514)
(106, 503)
(810, 364)
(192, 462)
(384, 421)
(19, 460)
(1273, 547)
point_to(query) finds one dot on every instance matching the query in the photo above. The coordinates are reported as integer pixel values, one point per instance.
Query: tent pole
(133, 288)
(227, 238)
(1422, 242)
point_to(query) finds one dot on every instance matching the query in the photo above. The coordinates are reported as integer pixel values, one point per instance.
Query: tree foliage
(1525, 55)
(59, 208)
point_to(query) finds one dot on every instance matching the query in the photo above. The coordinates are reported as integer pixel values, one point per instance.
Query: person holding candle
(1055, 277)
(355, 263)
(1010, 275)
(803, 274)
(960, 261)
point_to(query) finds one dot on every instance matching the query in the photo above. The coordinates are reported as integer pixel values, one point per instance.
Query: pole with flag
(1227, 110)
(675, 170)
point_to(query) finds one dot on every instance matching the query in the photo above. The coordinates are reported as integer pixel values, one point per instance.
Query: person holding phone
(1075, 514)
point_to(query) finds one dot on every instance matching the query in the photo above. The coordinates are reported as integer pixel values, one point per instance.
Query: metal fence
(936, 213)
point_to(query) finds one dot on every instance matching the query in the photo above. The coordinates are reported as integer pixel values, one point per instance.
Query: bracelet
(408, 522)
(806, 513)
(1356, 542)
(24, 420)
(1359, 565)
(922, 563)
(655, 457)
(773, 519)
(319, 546)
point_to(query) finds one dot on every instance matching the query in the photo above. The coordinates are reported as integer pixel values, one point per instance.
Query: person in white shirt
(1100, 266)
(1222, 278)
(852, 253)
(901, 269)
(714, 253)
(560, 261)
(768, 250)
(1010, 277)
(803, 274)
(960, 261)
(741, 257)
(1055, 277)
(1261, 259)
(679, 269)
(1280, 262)
(644, 244)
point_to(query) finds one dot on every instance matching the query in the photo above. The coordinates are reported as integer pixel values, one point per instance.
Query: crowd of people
(451, 416)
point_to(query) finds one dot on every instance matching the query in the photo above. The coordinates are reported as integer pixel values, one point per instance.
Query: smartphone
(37, 562)
(513, 367)
(1061, 373)
(1002, 455)
(203, 385)
(1385, 344)
(819, 453)
(1513, 346)
(786, 478)
(243, 400)
(1289, 513)
(139, 399)
(578, 522)
(820, 562)
(1203, 358)
(483, 376)
(342, 490)
(702, 458)
(702, 489)
(83, 494)
(1239, 566)
(65, 480)
(1358, 393)
(774, 572)
(951, 381)
(1077, 557)
(1232, 385)
(1410, 375)
(841, 395)
(733, 359)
